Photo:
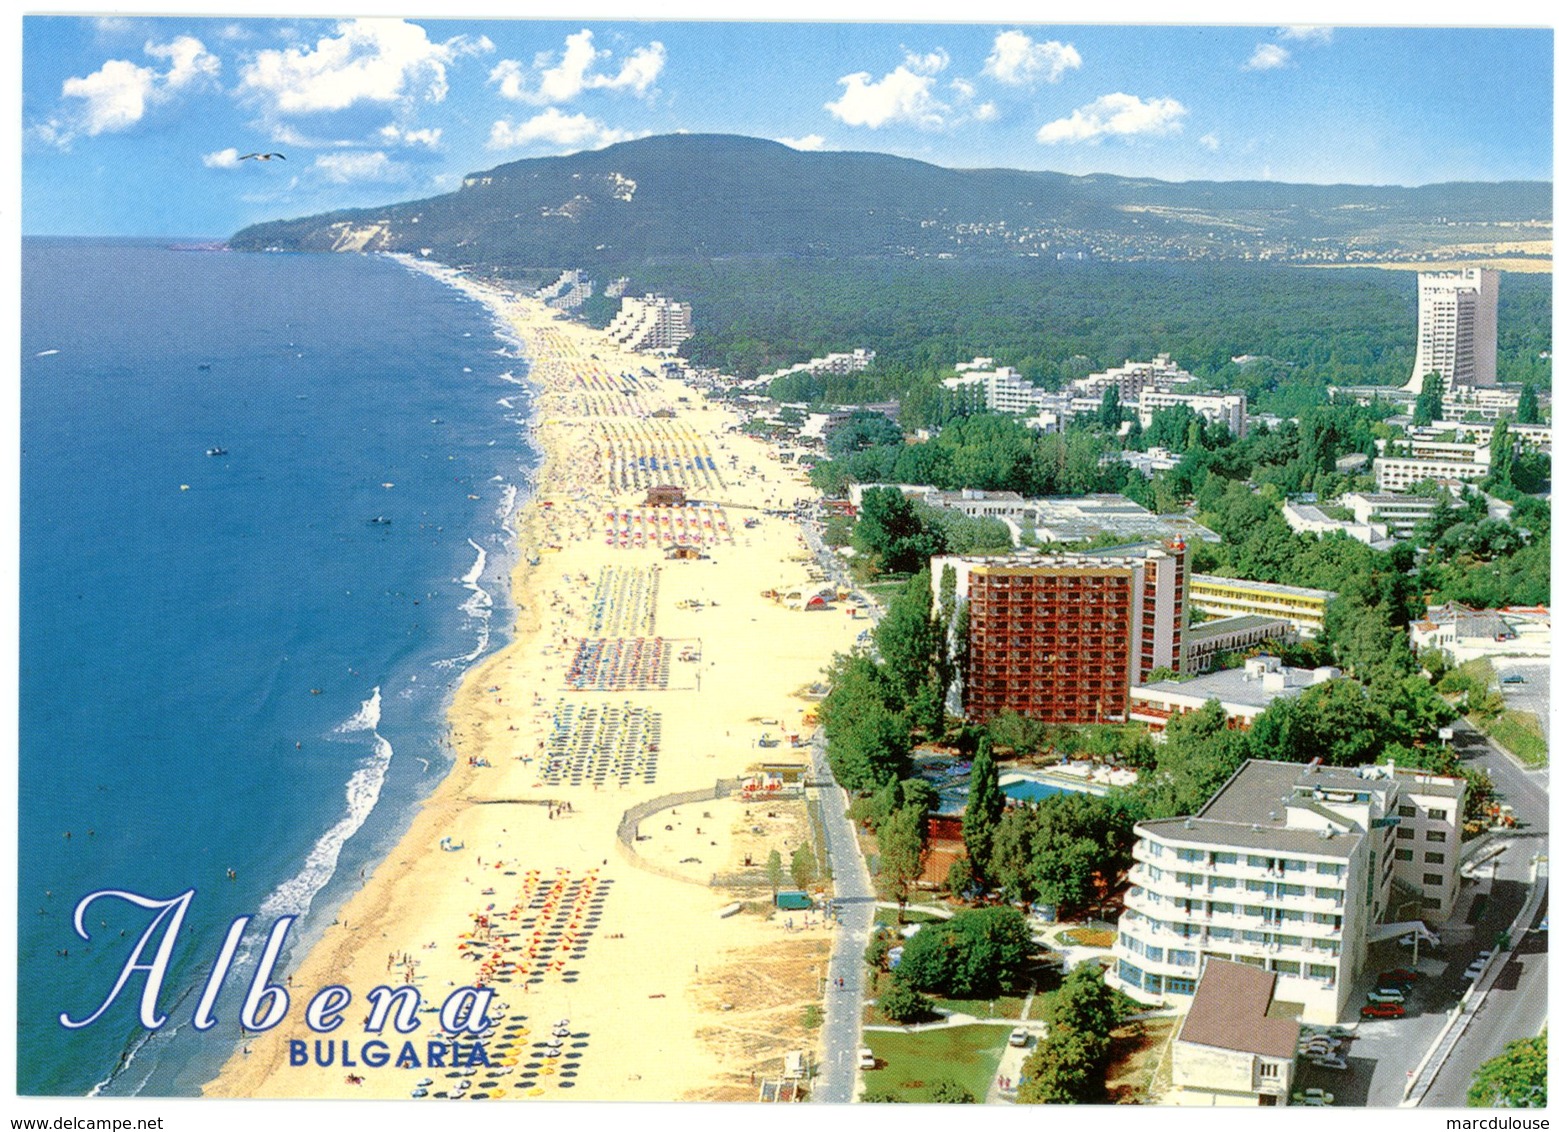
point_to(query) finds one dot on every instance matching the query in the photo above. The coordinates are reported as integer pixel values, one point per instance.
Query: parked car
(1399, 975)
(867, 1059)
(1388, 988)
(1314, 1097)
(1331, 1061)
(1019, 1038)
(1474, 969)
(1512, 678)
(1384, 1010)
(1384, 995)
(1425, 942)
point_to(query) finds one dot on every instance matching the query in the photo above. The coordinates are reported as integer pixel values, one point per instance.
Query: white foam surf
(294, 897)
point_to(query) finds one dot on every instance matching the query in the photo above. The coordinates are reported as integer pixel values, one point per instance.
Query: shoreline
(544, 905)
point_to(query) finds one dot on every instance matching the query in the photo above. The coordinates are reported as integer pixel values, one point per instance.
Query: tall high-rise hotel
(1458, 315)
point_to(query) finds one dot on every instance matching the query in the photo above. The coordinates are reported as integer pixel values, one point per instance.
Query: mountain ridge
(699, 196)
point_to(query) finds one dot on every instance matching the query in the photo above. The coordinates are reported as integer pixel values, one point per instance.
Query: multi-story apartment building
(1289, 868)
(568, 292)
(1236, 597)
(1221, 408)
(651, 323)
(1061, 637)
(1531, 437)
(1458, 326)
(1134, 378)
(1399, 514)
(1464, 401)
(1427, 859)
(1310, 518)
(1398, 473)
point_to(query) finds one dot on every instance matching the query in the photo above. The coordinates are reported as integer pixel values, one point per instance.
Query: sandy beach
(632, 677)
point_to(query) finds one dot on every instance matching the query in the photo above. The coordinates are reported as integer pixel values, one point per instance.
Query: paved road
(856, 902)
(1516, 1007)
(1517, 1003)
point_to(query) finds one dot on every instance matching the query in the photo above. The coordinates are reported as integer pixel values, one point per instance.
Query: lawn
(890, 917)
(909, 1064)
(1521, 734)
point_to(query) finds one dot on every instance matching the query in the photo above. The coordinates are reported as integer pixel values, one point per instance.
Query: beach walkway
(857, 905)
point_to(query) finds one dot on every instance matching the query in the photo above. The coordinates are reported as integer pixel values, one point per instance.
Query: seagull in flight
(263, 156)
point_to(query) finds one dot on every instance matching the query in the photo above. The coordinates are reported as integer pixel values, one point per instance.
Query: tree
(1012, 853)
(1517, 1078)
(901, 846)
(1068, 1068)
(1428, 407)
(909, 640)
(1086, 1003)
(1502, 454)
(900, 1002)
(803, 866)
(1110, 413)
(983, 812)
(889, 528)
(1527, 410)
(775, 867)
(977, 953)
(948, 1092)
(960, 877)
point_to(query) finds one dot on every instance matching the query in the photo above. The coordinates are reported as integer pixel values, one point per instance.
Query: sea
(265, 531)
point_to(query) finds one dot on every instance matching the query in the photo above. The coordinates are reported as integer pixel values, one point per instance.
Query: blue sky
(137, 125)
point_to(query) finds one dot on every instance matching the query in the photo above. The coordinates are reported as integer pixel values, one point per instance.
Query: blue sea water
(226, 662)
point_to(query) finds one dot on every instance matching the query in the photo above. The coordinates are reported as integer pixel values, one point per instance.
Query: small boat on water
(380, 520)
(216, 451)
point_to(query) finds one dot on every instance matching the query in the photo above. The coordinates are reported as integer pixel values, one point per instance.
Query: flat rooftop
(1259, 587)
(1236, 686)
(1243, 623)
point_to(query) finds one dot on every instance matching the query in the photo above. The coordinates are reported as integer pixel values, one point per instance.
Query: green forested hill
(698, 196)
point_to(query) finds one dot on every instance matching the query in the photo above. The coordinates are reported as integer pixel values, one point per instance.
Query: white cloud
(393, 133)
(933, 62)
(1306, 32)
(116, 95)
(904, 94)
(366, 60)
(1267, 57)
(963, 88)
(1115, 115)
(576, 131)
(344, 168)
(986, 112)
(221, 159)
(1208, 141)
(190, 61)
(578, 70)
(1017, 60)
(810, 142)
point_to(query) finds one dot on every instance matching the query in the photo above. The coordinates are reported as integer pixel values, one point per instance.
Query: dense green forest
(1302, 329)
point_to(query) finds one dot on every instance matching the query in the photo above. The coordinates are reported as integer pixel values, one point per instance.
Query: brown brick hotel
(1062, 637)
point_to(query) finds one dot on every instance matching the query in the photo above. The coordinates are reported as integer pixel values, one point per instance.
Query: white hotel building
(1288, 868)
(651, 323)
(1458, 327)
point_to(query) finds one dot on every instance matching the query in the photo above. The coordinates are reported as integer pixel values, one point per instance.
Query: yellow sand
(676, 1001)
